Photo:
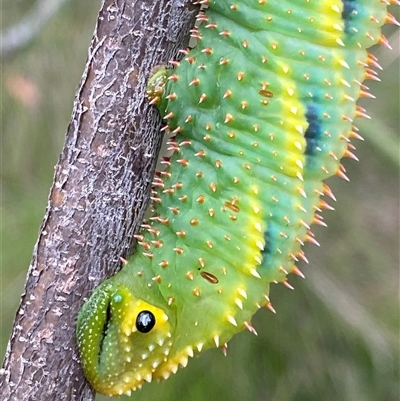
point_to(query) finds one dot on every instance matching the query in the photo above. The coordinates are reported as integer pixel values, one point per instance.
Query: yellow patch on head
(143, 335)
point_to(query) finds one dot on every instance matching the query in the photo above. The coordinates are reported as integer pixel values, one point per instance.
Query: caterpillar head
(125, 339)
(122, 339)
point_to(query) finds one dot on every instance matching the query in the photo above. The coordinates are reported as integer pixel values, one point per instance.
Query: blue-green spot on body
(260, 113)
(349, 14)
(117, 298)
(314, 132)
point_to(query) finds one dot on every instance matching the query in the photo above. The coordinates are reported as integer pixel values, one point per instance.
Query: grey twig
(23, 32)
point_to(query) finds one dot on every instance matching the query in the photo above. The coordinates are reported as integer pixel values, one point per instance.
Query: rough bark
(100, 192)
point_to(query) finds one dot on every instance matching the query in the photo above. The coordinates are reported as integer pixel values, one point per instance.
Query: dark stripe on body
(314, 130)
(268, 236)
(349, 14)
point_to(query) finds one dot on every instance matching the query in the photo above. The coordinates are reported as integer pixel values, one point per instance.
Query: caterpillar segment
(260, 113)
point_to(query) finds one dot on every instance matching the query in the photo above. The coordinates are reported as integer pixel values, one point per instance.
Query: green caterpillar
(262, 111)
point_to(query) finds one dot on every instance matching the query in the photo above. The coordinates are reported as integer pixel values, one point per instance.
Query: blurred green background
(336, 337)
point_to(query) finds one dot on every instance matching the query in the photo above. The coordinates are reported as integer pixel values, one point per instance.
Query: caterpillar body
(262, 110)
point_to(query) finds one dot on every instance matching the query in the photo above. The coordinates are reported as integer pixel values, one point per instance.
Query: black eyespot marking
(145, 321)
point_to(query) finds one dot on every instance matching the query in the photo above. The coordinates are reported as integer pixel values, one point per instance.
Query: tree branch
(100, 192)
